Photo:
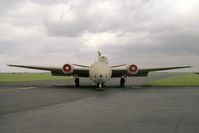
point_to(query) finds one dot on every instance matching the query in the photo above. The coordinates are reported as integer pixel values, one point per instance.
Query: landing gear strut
(77, 82)
(122, 82)
(100, 87)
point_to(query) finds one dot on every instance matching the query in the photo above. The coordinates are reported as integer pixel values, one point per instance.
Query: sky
(149, 33)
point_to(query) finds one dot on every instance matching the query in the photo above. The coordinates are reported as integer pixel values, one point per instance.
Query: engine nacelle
(67, 69)
(132, 69)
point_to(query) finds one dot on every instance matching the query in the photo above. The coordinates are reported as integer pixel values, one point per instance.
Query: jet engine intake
(132, 69)
(67, 69)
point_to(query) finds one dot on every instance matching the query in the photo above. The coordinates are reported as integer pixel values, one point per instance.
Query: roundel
(133, 69)
(67, 68)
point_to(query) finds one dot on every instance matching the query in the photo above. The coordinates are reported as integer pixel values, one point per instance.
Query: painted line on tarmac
(15, 89)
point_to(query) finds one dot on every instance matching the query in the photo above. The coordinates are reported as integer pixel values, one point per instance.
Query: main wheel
(77, 82)
(122, 82)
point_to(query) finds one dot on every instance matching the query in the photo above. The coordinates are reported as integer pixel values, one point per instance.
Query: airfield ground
(57, 106)
(160, 79)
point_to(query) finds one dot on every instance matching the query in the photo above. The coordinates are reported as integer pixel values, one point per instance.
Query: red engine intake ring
(133, 69)
(67, 68)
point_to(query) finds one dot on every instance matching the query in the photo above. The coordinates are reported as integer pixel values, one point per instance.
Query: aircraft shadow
(90, 87)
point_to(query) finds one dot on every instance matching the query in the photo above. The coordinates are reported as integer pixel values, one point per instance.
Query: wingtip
(189, 66)
(184, 66)
(11, 65)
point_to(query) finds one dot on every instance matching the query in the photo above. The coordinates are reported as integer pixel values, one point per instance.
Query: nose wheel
(77, 82)
(122, 82)
(100, 87)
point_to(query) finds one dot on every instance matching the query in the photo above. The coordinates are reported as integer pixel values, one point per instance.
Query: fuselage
(100, 71)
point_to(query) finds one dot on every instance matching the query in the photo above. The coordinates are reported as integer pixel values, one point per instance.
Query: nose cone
(100, 72)
(102, 75)
(101, 78)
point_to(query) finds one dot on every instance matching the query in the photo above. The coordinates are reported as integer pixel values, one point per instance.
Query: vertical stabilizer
(99, 54)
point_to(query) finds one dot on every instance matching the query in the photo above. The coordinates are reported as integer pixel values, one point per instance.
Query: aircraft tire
(77, 82)
(122, 82)
(98, 88)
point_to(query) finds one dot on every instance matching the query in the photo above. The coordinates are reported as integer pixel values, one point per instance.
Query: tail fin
(99, 54)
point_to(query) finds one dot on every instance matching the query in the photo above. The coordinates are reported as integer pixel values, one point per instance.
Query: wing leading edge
(38, 67)
(58, 71)
(142, 72)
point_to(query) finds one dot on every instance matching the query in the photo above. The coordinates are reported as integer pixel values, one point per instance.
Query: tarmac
(59, 107)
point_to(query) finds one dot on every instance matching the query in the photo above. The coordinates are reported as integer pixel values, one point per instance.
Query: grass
(22, 77)
(180, 80)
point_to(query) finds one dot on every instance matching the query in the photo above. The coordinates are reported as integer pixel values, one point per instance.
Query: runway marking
(14, 89)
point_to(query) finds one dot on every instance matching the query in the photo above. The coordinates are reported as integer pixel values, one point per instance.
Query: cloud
(75, 17)
(147, 32)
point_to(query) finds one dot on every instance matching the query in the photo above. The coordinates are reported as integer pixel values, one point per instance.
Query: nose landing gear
(100, 87)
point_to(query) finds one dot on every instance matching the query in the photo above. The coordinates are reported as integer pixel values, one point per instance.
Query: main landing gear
(77, 82)
(122, 82)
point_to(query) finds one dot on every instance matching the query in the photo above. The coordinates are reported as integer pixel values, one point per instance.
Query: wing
(142, 72)
(118, 65)
(58, 71)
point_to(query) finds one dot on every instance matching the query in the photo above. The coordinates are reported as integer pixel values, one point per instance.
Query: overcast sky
(149, 33)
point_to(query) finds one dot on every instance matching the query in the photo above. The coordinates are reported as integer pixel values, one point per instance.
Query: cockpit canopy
(103, 59)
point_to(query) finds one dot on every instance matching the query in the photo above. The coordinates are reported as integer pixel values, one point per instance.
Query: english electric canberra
(100, 72)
